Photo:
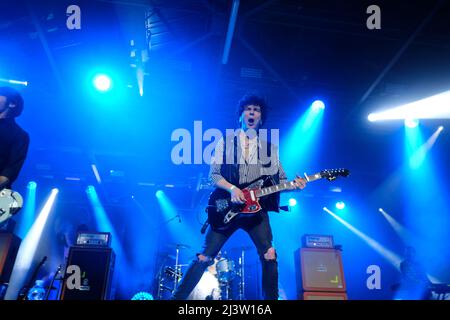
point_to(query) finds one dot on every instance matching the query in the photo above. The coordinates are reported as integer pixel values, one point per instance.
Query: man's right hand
(237, 196)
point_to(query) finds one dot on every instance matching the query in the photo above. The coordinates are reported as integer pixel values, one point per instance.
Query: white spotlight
(27, 250)
(318, 105)
(11, 81)
(411, 123)
(434, 107)
(372, 117)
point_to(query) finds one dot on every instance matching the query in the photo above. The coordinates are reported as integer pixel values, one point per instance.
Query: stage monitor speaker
(96, 267)
(319, 270)
(324, 296)
(9, 246)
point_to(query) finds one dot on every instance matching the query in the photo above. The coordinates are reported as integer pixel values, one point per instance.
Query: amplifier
(319, 270)
(317, 241)
(94, 239)
(324, 296)
(95, 272)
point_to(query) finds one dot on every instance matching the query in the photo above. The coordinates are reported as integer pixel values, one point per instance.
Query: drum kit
(217, 282)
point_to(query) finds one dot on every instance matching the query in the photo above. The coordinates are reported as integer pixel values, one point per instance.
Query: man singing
(246, 167)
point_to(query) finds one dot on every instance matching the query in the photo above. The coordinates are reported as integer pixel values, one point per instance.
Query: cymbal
(178, 245)
(243, 248)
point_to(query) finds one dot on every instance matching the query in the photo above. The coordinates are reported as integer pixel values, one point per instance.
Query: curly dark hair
(253, 99)
(13, 96)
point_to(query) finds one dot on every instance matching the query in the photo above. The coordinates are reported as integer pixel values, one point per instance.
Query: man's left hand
(299, 183)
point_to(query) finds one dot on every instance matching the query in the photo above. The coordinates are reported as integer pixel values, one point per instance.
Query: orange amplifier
(317, 241)
(324, 296)
(319, 270)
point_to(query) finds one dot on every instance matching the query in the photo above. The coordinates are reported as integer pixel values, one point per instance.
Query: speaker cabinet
(324, 296)
(9, 246)
(319, 270)
(96, 267)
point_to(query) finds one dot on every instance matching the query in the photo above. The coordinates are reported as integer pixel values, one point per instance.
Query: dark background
(295, 52)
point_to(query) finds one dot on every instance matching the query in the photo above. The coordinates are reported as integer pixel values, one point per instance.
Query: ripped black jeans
(259, 230)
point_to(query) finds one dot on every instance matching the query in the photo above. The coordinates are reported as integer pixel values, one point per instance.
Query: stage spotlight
(102, 82)
(32, 185)
(104, 223)
(402, 232)
(142, 296)
(292, 202)
(318, 105)
(140, 80)
(434, 107)
(340, 205)
(302, 140)
(18, 82)
(159, 194)
(28, 250)
(411, 123)
(385, 252)
(29, 210)
(96, 173)
(90, 189)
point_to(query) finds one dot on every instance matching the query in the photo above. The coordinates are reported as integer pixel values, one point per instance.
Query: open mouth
(251, 121)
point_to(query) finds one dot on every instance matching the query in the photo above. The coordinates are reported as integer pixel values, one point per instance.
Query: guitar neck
(284, 186)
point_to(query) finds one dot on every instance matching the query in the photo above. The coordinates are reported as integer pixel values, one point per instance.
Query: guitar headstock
(333, 174)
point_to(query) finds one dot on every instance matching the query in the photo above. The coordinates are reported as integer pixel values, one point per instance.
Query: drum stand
(177, 268)
(241, 276)
(174, 273)
(161, 286)
(225, 289)
(225, 285)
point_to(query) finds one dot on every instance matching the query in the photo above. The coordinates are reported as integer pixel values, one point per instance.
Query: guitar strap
(230, 171)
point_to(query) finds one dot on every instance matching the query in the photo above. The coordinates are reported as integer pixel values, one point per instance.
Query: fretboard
(284, 186)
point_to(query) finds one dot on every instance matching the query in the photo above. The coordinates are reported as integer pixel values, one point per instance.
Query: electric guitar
(221, 211)
(10, 203)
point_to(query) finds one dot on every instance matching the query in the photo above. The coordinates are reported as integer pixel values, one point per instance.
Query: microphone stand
(160, 275)
(47, 293)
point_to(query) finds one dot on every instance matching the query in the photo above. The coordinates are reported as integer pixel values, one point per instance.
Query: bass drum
(207, 288)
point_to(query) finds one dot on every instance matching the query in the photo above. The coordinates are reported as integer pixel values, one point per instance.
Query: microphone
(205, 225)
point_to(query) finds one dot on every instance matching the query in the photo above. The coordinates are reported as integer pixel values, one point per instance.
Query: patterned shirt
(250, 167)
